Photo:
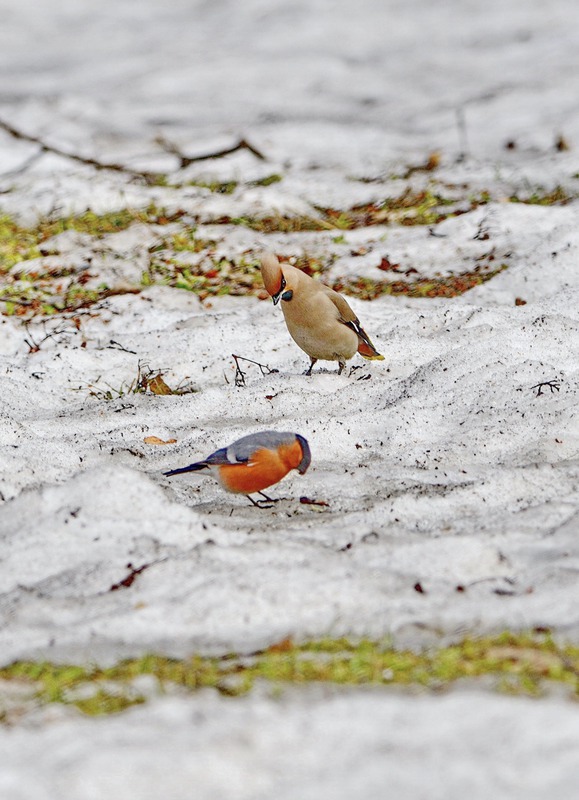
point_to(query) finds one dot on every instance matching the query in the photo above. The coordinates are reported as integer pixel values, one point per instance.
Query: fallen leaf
(156, 440)
(281, 647)
(158, 386)
(386, 265)
(433, 161)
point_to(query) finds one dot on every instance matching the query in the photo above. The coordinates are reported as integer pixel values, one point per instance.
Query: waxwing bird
(255, 462)
(319, 320)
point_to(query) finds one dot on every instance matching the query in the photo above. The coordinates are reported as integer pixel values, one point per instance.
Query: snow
(308, 744)
(441, 465)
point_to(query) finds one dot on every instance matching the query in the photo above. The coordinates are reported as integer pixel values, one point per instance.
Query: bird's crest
(271, 273)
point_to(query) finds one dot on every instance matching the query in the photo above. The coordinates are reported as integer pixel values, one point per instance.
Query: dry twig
(148, 177)
(240, 374)
(185, 161)
(554, 385)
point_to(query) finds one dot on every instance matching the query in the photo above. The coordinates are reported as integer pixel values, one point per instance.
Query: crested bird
(255, 462)
(319, 320)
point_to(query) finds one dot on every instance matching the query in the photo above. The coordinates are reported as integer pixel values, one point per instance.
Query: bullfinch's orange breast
(265, 468)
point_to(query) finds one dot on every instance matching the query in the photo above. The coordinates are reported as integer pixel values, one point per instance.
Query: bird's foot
(259, 503)
(309, 370)
(269, 499)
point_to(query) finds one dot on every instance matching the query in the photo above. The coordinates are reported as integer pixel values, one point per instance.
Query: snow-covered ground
(441, 466)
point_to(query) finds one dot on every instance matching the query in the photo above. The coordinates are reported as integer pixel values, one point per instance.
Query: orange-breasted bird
(255, 462)
(319, 320)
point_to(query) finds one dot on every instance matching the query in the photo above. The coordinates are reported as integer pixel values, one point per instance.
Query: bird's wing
(218, 458)
(348, 318)
(346, 314)
(243, 449)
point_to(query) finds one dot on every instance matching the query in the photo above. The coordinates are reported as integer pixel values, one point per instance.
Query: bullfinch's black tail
(191, 468)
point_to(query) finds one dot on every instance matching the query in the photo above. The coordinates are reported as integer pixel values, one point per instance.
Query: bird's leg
(269, 499)
(257, 503)
(341, 366)
(312, 362)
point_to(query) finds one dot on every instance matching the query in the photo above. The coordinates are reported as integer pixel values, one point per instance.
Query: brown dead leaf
(386, 265)
(282, 646)
(158, 386)
(433, 161)
(156, 440)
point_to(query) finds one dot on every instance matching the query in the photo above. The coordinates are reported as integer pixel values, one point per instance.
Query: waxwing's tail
(366, 348)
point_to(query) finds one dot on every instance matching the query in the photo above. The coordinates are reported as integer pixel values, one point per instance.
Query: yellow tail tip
(373, 358)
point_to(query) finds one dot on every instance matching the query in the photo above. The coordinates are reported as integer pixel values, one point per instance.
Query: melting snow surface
(441, 466)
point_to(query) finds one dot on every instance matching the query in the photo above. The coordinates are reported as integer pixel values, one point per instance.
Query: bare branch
(34, 346)
(148, 177)
(240, 375)
(185, 161)
(553, 385)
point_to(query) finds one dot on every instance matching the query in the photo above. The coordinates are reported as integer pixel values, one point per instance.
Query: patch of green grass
(102, 702)
(239, 277)
(267, 180)
(449, 286)
(228, 187)
(220, 187)
(278, 223)
(515, 662)
(19, 244)
(181, 241)
(209, 278)
(45, 291)
(554, 197)
(99, 225)
(16, 244)
(409, 208)
(29, 298)
(53, 290)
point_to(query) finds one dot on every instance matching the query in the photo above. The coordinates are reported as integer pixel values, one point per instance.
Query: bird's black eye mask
(281, 293)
